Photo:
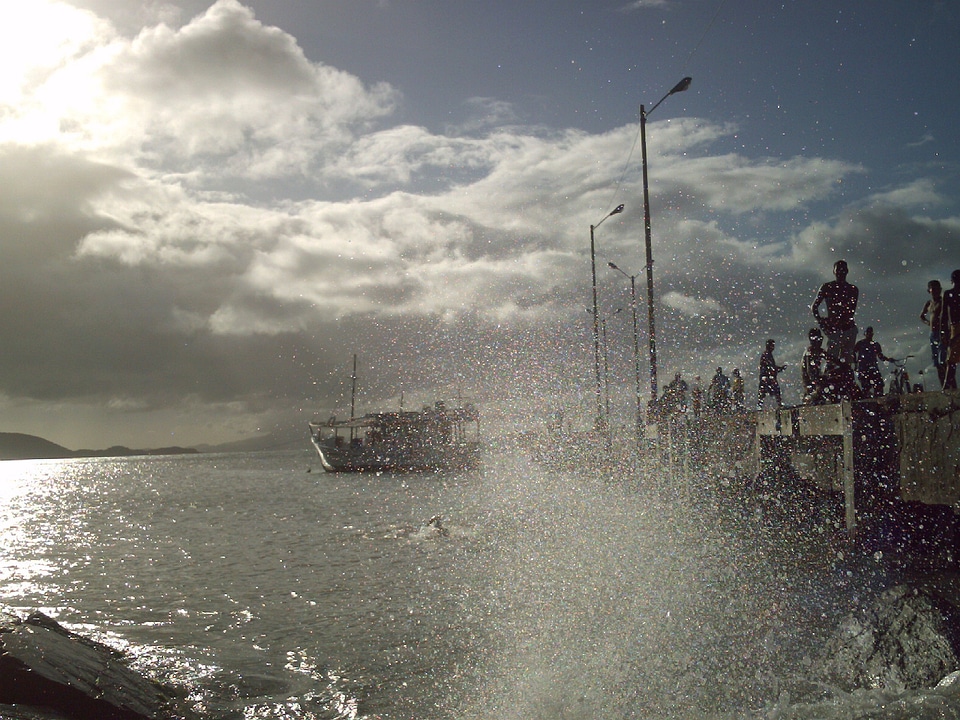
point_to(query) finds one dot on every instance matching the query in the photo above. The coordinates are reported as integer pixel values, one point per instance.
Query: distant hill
(19, 446)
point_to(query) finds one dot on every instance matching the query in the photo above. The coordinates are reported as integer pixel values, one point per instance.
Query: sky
(208, 208)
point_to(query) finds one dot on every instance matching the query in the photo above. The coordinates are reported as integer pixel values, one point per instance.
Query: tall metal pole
(638, 420)
(606, 374)
(599, 423)
(606, 371)
(679, 87)
(636, 356)
(649, 248)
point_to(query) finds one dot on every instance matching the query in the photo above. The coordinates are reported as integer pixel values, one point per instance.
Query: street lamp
(596, 318)
(604, 426)
(606, 369)
(636, 345)
(679, 87)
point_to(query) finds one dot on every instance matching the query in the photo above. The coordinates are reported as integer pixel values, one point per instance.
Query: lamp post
(679, 87)
(636, 347)
(596, 319)
(606, 370)
(605, 427)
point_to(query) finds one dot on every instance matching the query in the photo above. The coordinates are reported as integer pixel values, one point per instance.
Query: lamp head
(681, 86)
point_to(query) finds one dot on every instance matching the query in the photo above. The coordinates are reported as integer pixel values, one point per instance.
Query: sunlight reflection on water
(548, 595)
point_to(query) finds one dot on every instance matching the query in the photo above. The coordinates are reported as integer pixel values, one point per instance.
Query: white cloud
(918, 193)
(693, 306)
(223, 93)
(644, 4)
(198, 207)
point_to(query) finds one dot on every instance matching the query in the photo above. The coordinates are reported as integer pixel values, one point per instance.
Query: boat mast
(353, 395)
(353, 389)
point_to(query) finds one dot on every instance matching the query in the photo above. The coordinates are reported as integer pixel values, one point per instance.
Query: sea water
(265, 588)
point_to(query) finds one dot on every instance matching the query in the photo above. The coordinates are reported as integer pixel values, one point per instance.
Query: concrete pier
(896, 447)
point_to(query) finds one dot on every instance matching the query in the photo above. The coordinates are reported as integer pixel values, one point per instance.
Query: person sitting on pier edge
(868, 354)
(950, 330)
(736, 391)
(769, 385)
(718, 393)
(930, 315)
(811, 369)
(838, 325)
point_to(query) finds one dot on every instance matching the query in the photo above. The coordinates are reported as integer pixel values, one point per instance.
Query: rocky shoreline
(50, 673)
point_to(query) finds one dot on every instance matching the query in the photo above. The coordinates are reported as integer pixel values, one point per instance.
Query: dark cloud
(201, 226)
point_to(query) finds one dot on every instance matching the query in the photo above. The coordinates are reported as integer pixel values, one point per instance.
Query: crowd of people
(846, 369)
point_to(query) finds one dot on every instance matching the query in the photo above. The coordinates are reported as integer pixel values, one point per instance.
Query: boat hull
(428, 440)
(346, 459)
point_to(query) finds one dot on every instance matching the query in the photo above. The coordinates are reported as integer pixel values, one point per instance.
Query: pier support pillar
(849, 486)
(817, 440)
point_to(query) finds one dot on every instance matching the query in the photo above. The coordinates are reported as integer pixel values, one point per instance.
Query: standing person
(930, 315)
(950, 330)
(696, 396)
(868, 354)
(736, 390)
(838, 325)
(811, 369)
(675, 396)
(718, 393)
(769, 385)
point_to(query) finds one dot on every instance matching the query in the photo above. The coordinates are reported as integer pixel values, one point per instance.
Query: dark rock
(906, 640)
(46, 667)
(10, 712)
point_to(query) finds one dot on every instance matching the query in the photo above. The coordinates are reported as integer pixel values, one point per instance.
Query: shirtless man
(950, 330)
(841, 298)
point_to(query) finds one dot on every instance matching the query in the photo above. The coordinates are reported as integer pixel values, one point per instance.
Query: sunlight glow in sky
(209, 207)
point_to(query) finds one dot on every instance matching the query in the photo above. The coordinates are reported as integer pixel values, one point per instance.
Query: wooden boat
(428, 440)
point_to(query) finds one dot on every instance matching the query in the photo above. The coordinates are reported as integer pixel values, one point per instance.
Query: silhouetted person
(675, 395)
(838, 325)
(696, 396)
(930, 315)
(736, 390)
(768, 384)
(718, 394)
(812, 370)
(950, 330)
(868, 354)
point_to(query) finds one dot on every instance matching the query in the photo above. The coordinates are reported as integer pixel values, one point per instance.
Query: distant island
(19, 446)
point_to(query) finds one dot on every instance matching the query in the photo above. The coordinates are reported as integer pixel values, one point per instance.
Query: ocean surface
(265, 588)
